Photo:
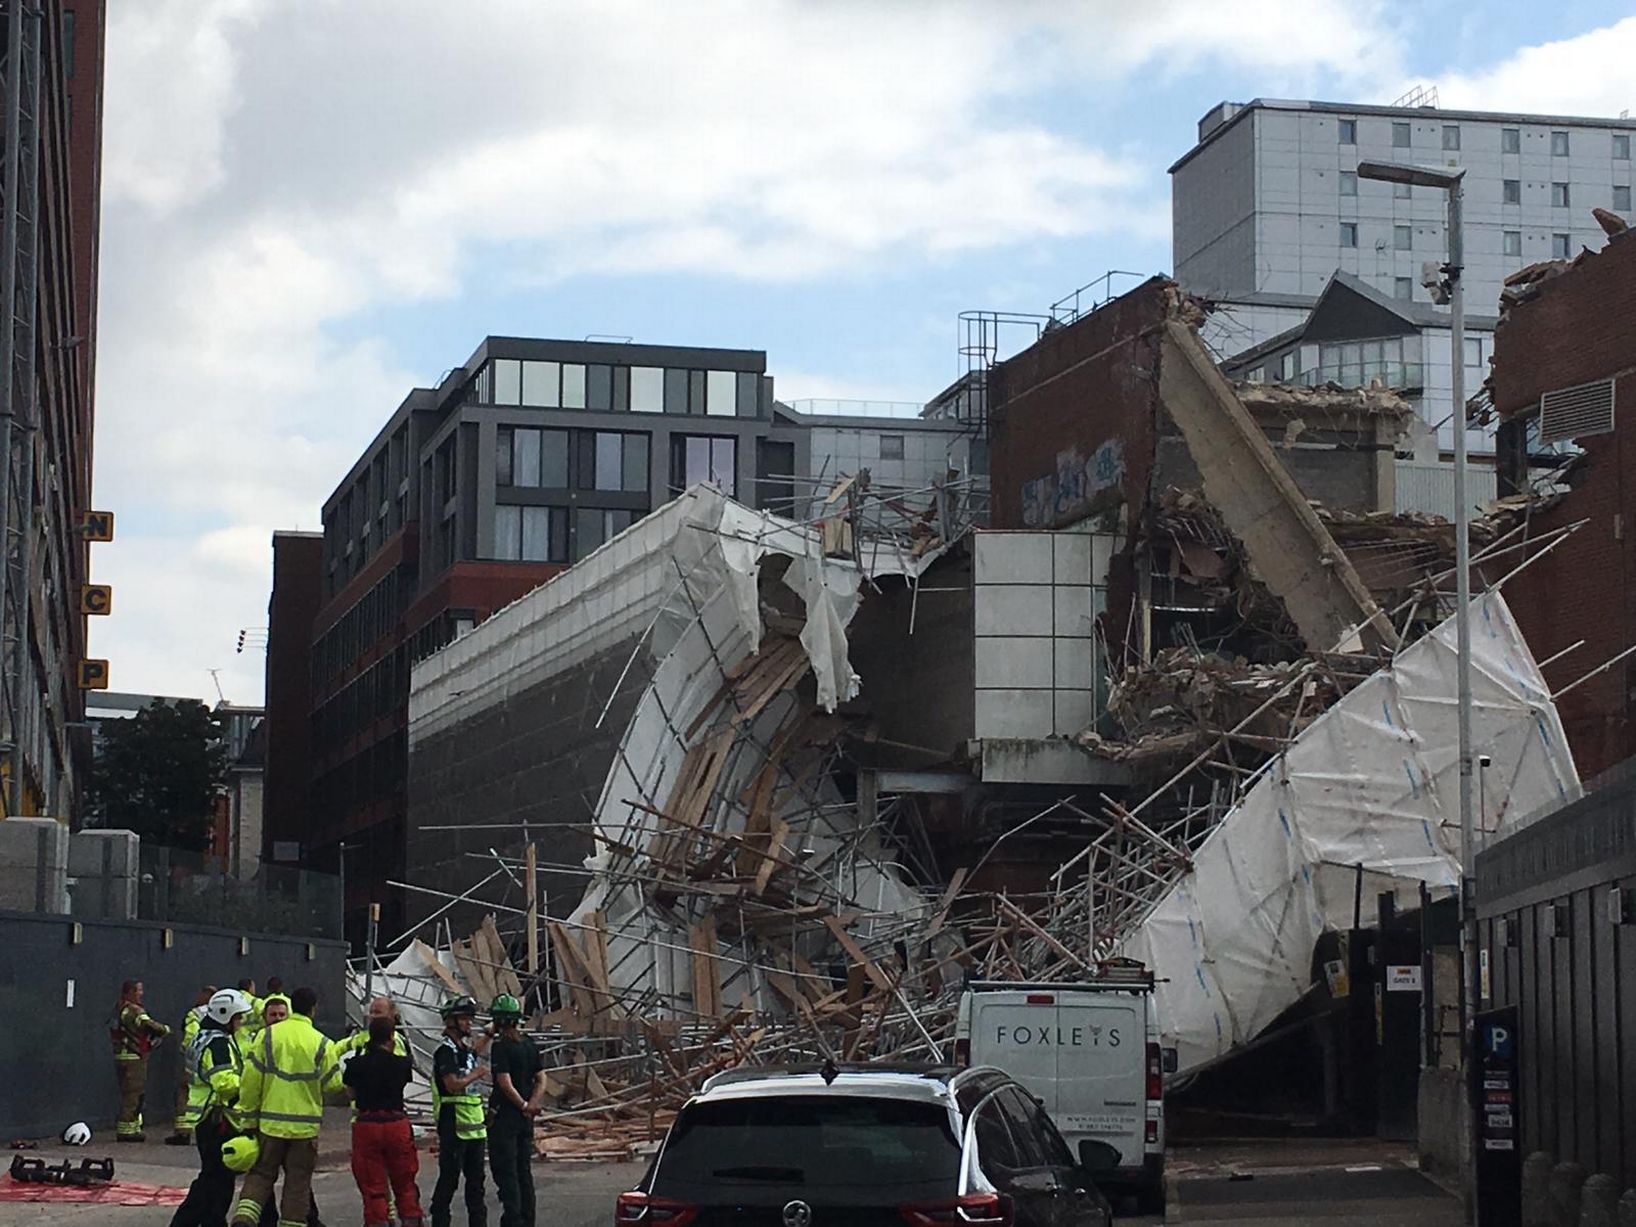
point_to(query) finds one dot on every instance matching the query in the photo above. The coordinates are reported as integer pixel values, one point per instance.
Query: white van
(1090, 1051)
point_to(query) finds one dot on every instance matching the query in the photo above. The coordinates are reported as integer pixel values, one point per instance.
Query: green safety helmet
(455, 1006)
(240, 1154)
(506, 1008)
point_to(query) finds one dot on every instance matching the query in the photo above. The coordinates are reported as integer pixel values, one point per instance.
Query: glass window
(1559, 195)
(1403, 238)
(891, 447)
(1347, 131)
(536, 545)
(508, 532)
(695, 391)
(1510, 140)
(610, 460)
(647, 389)
(1402, 191)
(508, 381)
(634, 468)
(1559, 246)
(598, 387)
(721, 394)
(996, 1149)
(1559, 144)
(1400, 136)
(1286, 365)
(1403, 287)
(1349, 183)
(1474, 351)
(1349, 234)
(1451, 136)
(749, 394)
(573, 386)
(525, 464)
(1621, 197)
(540, 384)
(1621, 148)
(1513, 242)
(1019, 1115)
(554, 459)
(502, 457)
(675, 391)
(696, 458)
(1511, 191)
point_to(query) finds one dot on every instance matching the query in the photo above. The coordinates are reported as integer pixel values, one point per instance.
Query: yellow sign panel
(96, 599)
(93, 675)
(98, 526)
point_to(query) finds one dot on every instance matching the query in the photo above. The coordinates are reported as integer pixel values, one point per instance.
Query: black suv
(861, 1146)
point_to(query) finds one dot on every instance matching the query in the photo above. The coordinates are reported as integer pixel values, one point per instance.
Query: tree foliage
(158, 772)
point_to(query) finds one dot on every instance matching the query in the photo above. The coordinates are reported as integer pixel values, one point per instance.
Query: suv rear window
(814, 1141)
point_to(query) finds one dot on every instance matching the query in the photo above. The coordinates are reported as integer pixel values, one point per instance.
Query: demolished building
(784, 785)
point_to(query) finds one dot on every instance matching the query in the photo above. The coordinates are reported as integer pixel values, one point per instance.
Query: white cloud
(275, 172)
(1588, 75)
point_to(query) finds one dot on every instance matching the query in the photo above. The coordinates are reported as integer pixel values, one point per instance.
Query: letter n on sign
(98, 526)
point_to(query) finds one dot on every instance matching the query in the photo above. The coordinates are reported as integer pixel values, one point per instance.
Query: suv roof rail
(753, 1073)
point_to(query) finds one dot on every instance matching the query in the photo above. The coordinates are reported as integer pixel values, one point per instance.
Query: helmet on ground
(224, 1005)
(77, 1134)
(455, 1006)
(240, 1154)
(506, 1008)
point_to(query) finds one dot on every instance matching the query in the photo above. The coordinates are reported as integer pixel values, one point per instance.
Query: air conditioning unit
(1573, 413)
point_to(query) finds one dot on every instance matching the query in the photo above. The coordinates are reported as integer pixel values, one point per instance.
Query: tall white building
(1267, 207)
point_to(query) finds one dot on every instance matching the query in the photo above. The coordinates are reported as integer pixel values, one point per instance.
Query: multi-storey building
(1268, 207)
(51, 87)
(522, 461)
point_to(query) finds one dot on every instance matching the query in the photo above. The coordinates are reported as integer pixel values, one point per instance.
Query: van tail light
(653, 1211)
(962, 1053)
(1153, 1133)
(1155, 1073)
(972, 1210)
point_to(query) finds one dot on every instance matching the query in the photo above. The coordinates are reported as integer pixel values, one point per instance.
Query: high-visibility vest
(218, 1063)
(134, 1032)
(286, 1074)
(470, 1124)
(198, 1091)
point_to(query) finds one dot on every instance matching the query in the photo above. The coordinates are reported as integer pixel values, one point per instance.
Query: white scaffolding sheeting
(713, 624)
(1372, 783)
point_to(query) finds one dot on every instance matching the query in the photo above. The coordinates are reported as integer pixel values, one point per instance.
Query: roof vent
(1573, 413)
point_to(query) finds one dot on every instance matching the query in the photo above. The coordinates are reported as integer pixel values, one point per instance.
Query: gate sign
(1404, 979)
(1499, 1145)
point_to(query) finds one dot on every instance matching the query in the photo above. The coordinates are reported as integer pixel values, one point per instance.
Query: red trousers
(383, 1154)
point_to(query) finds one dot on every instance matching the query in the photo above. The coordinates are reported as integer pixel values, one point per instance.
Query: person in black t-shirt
(383, 1144)
(519, 1085)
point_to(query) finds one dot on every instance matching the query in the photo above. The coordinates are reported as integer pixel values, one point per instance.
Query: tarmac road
(1340, 1184)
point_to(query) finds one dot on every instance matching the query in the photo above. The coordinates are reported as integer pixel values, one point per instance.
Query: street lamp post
(1450, 181)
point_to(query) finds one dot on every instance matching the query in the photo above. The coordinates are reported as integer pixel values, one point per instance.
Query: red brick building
(1564, 366)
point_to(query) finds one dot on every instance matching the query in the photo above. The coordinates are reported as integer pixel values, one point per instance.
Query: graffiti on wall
(1073, 490)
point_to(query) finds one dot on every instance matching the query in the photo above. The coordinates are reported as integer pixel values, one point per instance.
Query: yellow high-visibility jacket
(286, 1074)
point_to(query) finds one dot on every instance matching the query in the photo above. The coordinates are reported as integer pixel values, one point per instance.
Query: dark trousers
(383, 1157)
(210, 1196)
(457, 1157)
(511, 1154)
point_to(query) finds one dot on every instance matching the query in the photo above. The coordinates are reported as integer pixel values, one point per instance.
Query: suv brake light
(1155, 1073)
(972, 1210)
(653, 1211)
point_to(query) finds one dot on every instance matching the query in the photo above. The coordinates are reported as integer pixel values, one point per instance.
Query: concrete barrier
(1599, 1202)
(1567, 1181)
(1536, 1189)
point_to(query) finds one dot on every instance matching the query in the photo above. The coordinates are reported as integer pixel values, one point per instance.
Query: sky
(312, 206)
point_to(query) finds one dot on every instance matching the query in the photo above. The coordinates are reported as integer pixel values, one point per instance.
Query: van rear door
(1016, 1030)
(1101, 1086)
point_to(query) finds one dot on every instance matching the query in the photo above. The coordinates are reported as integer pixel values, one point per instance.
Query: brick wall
(1578, 330)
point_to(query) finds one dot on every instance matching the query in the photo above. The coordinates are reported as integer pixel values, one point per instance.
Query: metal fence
(191, 888)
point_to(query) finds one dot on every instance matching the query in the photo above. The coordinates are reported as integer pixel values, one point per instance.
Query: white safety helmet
(77, 1134)
(224, 1005)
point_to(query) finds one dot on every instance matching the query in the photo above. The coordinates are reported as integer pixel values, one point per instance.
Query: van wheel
(1150, 1199)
